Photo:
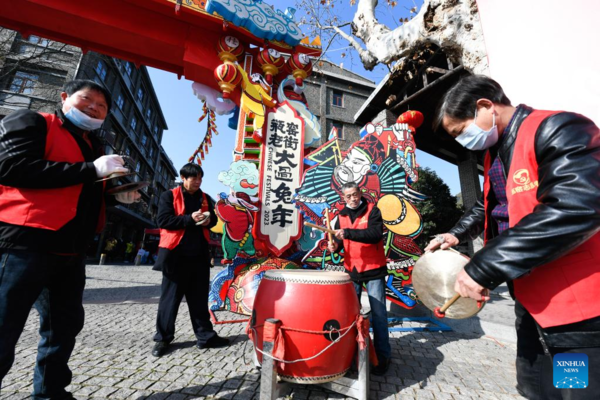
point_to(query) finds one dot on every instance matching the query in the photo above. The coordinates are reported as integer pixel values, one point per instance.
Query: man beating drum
(540, 220)
(359, 230)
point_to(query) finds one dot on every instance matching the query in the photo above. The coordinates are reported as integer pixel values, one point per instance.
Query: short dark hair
(460, 101)
(349, 185)
(78, 84)
(190, 170)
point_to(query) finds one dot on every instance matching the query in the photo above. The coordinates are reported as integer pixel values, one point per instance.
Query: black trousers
(535, 368)
(189, 277)
(54, 284)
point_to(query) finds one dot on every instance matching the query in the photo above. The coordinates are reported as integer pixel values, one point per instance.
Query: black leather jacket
(567, 148)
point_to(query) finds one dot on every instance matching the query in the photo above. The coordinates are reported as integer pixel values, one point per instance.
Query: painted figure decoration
(235, 209)
(383, 164)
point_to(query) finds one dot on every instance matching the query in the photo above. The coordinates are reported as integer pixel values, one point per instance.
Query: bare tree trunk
(452, 25)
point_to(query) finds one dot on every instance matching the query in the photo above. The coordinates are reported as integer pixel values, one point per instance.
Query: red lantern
(413, 118)
(270, 61)
(300, 67)
(229, 48)
(228, 77)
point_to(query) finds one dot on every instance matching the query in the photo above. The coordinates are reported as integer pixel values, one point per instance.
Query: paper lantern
(412, 118)
(271, 62)
(300, 66)
(228, 77)
(229, 49)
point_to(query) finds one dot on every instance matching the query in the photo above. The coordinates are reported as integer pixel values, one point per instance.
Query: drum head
(433, 278)
(308, 276)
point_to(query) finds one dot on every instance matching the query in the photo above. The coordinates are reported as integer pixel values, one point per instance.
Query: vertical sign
(280, 176)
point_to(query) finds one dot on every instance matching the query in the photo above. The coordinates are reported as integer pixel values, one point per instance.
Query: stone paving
(112, 357)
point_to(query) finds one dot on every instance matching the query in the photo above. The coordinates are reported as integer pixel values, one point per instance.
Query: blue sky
(182, 110)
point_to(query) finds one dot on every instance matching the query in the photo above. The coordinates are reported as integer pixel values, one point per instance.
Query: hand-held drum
(316, 309)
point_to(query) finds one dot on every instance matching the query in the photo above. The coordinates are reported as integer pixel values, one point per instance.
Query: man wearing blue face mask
(50, 209)
(540, 217)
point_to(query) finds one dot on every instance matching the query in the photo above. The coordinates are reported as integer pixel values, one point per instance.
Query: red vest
(47, 208)
(563, 291)
(169, 239)
(362, 256)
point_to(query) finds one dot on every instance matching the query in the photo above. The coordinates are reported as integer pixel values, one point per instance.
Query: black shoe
(160, 348)
(382, 367)
(214, 342)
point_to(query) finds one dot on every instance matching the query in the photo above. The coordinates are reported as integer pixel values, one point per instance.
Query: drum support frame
(357, 388)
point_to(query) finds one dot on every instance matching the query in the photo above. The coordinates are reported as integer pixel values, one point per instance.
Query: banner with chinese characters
(280, 175)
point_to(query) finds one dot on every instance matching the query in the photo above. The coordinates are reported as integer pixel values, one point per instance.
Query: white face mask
(475, 138)
(354, 208)
(82, 120)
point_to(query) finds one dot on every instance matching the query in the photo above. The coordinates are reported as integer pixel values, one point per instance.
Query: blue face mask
(475, 138)
(83, 121)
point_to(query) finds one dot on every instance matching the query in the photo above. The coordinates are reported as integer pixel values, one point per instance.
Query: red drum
(309, 301)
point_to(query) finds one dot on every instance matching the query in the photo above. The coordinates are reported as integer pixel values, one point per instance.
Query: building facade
(334, 95)
(32, 73)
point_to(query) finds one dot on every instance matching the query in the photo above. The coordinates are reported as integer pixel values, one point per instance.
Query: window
(340, 129)
(38, 40)
(128, 68)
(126, 150)
(148, 114)
(140, 94)
(338, 99)
(25, 48)
(23, 82)
(101, 70)
(156, 132)
(132, 125)
(151, 152)
(120, 101)
(144, 140)
(138, 166)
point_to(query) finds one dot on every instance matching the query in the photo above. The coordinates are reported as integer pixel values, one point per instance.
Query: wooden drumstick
(440, 312)
(319, 227)
(328, 224)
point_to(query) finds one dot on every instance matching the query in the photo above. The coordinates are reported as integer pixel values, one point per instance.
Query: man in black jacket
(185, 215)
(540, 216)
(50, 209)
(359, 230)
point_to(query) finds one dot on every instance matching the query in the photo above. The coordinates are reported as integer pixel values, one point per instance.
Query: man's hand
(442, 241)
(339, 233)
(205, 222)
(467, 287)
(128, 198)
(198, 216)
(108, 165)
(332, 246)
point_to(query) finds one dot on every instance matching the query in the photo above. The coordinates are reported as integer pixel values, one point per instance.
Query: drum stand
(357, 388)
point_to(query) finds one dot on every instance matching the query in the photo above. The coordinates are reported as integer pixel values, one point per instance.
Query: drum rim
(308, 276)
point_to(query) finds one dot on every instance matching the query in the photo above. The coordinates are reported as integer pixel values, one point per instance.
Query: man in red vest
(185, 216)
(50, 209)
(540, 217)
(359, 230)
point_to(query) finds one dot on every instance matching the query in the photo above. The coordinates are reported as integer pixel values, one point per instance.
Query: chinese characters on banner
(280, 176)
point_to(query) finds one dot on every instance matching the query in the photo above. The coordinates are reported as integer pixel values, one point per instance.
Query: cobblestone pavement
(112, 357)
